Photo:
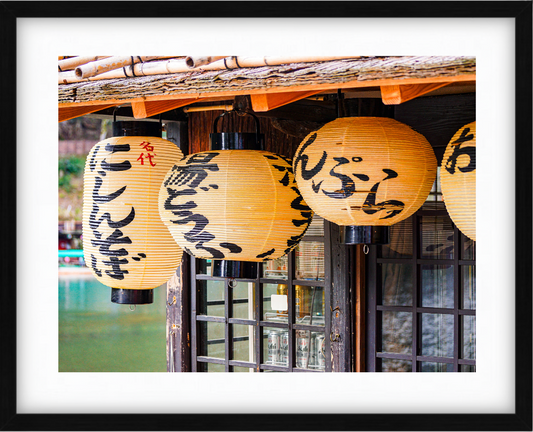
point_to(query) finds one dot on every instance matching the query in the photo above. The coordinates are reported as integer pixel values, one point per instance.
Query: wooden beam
(397, 94)
(266, 102)
(147, 109)
(289, 89)
(70, 112)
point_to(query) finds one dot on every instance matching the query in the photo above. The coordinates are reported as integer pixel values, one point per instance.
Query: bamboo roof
(400, 78)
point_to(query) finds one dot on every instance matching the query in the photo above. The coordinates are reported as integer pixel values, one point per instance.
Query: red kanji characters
(149, 148)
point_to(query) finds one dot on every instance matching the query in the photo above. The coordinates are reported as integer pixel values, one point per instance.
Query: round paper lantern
(458, 179)
(125, 243)
(235, 204)
(365, 174)
(240, 205)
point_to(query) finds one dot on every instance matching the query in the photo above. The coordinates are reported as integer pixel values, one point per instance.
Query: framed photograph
(36, 394)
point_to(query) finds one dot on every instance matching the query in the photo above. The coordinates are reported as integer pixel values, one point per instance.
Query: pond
(96, 335)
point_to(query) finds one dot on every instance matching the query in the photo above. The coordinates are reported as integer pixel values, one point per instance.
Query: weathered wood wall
(201, 125)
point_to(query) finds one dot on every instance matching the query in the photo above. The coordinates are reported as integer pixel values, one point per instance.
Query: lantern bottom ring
(132, 296)
(235, 269)
(370, 235)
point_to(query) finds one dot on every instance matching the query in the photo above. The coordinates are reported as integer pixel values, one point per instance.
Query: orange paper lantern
(125, 243)
(365, 174)
(458, 179)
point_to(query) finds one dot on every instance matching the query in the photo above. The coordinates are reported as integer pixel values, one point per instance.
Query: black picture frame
(521, 11)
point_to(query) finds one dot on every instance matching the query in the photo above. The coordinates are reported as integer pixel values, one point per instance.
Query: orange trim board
(70, 112)
(397, 94)
(273, 90)
(147, 109)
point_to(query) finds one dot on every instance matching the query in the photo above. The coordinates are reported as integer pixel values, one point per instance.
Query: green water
(96, 335)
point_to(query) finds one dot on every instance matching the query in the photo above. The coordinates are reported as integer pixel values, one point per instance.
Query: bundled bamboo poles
(100, 66)
(181, 65)
(194, 62)
(70, 63)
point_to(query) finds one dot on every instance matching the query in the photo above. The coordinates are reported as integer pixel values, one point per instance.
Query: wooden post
(178, 287)
(341, 336)
(360, 310)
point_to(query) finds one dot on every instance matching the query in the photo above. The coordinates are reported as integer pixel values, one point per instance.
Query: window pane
(469, 249)
(309, 305)
(397, 332)
(275, 305)
(437, 237)
(310, 350)
(243, 300)
(275, 346)
(242, 369)
(276, 269)
(467, 368)
(469, 337)
(310, 260)
(316, 227)
(437, 286)
(212, 367)
(243, 343)
(396, 365)
(203, 266)
(436, 367)
(211, 298)
(211, 339)
(469, 287)
(397, 284)
(437, 335)
(435, 195)
(401, 240)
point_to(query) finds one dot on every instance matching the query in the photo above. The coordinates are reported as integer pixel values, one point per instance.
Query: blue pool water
(96, 335)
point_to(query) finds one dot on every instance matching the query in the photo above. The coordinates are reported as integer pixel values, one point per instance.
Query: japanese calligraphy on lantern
(124, 241)
(365, 171)
(458, 179)
(234, 204)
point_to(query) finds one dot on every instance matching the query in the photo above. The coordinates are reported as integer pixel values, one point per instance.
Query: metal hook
(115, 113)
(366, 249)
(173, 301)
(337, 337)
(232, 283)
(134, 307)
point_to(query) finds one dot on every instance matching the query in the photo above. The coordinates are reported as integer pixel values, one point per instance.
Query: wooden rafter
(399, 93)
(145, 109)
(268, 101)
(70, 112)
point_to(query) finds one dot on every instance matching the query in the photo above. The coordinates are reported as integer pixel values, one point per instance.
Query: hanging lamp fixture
(125, 243)
(235, 204)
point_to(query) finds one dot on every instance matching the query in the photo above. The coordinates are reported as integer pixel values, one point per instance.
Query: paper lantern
(365, 174)
(458, 179)
(233, 204)
(125, 243)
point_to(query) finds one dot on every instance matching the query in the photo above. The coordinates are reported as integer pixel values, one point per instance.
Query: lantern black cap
(370, 235)
(132, 296)
(137, 128)
(235, 269)
(237, 140)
